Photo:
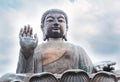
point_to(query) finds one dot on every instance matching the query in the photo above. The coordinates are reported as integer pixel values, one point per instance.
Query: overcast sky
(93, 25)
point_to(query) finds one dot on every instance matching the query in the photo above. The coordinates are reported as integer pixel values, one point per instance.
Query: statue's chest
(57, 60)
(50, 55)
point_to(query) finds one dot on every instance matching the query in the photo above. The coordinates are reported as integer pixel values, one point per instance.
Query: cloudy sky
(93, 25)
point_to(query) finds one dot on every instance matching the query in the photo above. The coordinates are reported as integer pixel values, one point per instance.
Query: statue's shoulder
(40, 47)
(74, 46)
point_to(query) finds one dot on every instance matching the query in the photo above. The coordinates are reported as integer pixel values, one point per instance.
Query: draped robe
(55, 58)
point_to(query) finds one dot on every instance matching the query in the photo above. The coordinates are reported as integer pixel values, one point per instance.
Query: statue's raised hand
(27, 42)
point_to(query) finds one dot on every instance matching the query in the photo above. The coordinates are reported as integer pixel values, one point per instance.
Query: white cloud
(116, 29)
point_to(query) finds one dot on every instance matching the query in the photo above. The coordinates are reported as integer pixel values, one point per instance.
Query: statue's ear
(65, 35)
(66, 28)
(44, 35)
(41, 27)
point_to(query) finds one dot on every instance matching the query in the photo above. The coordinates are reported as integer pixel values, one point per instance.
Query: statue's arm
(28, 45)
(85, 62)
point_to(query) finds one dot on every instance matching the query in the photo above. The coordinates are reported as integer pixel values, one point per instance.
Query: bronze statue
(55, 55)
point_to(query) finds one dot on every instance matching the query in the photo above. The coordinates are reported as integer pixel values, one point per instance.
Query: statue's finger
(28, 29)
(28, 34)
(36, 37)
(25, 29)
(21, 33)
(24, 34)
(31, 32)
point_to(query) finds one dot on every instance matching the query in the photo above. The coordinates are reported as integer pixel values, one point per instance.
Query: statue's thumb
(36, 37)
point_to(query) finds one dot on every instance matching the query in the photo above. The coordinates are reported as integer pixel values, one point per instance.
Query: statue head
(54, 24)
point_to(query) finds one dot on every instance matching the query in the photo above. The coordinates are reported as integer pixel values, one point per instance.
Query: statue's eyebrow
(60, 17)
(49, 17)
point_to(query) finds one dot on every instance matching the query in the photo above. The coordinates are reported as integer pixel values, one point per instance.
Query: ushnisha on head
(54, 24)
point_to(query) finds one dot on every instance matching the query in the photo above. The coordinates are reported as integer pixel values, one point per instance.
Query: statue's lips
(56, 30)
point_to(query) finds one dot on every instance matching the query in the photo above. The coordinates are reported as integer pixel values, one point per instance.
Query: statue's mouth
(56, 30)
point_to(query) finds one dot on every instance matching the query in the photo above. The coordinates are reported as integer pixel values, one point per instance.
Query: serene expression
(55, 25)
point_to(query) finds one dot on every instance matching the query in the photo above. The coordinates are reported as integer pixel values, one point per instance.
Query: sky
(93, 24)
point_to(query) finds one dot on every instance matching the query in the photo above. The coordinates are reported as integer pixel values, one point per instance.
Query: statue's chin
(55, 34)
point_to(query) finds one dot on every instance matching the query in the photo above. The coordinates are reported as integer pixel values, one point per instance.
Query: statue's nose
(56, 24)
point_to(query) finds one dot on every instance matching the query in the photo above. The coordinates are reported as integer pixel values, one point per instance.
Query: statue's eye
(50, 20)
(61, 20)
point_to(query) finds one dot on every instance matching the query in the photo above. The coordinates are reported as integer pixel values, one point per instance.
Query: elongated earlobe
(44, 35)
(65, 35)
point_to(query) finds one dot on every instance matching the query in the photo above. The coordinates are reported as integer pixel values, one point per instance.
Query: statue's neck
(55, 40)
(57, 43)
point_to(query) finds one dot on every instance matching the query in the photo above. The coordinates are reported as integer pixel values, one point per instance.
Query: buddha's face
(55, 25)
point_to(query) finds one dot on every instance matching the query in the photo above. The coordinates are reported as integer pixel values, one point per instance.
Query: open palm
(27, 41)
